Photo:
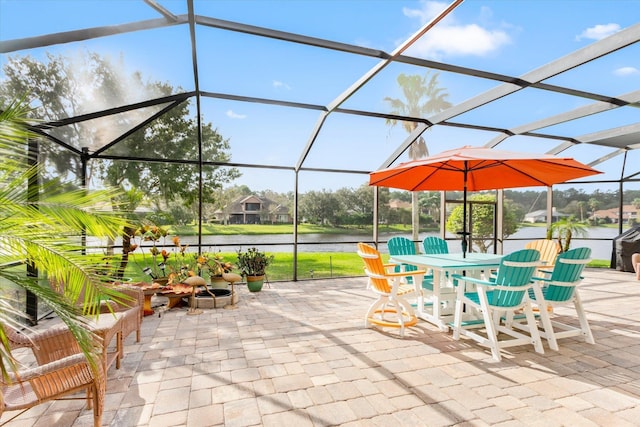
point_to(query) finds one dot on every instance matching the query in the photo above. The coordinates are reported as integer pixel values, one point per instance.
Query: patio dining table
(439, 308)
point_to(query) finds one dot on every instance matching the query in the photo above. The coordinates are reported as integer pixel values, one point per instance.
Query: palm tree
(422, 97)
(581, 205)
(46, 234)
(565, 229)
(594, 204)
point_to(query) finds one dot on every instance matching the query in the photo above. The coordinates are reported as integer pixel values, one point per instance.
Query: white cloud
(280, 85)
(430, 9)
(626, 71)
(233, 115)
(451, 38)
(598, 32)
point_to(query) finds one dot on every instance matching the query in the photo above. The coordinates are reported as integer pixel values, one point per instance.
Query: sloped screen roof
(300, 86)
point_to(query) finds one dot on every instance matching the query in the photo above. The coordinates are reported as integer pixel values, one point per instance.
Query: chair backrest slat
(549, 249)
(514, 275)
(568, 272)
(374, 267)
(435, 245)
(399, 245)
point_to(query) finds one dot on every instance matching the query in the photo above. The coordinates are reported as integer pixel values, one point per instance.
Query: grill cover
(625, 245)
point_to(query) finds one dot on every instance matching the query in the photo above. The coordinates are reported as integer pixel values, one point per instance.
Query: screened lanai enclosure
(228, 113)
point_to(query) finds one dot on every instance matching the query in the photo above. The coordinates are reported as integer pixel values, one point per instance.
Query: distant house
(280, 215)
(541, 216)
(399, 204)
(629, 213)
(254, 210)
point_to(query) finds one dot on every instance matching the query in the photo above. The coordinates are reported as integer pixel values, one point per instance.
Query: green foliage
(61, 86)
(422, 97)
(42, 225)
(345, 206)
(483, 220)
(253, 262)
(68, 87)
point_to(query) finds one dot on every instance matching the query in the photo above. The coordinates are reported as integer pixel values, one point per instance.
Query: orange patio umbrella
(479, 168)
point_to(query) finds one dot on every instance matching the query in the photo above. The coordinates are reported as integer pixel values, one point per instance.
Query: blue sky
(509, 37)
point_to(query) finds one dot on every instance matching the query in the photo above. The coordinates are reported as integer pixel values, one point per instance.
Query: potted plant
(252, 264)
(216, 266)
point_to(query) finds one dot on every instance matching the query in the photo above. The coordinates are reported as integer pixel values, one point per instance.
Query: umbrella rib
(441, 166)
(491, 164)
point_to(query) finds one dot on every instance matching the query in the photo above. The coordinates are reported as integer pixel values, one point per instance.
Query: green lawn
(310, 264)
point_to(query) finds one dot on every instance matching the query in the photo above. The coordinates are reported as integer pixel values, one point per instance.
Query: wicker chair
(62, 370)
(130, 311)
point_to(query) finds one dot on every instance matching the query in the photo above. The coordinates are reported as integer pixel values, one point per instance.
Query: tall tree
(423, 96)
(430, 203)
(594, 205)
(581, 205)
(483, 220)
(319, 207)
(66, 86)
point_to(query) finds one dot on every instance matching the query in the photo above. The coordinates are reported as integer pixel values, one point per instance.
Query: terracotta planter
(254, 283)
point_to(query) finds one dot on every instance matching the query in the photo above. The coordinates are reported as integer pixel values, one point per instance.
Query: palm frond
(44, 225)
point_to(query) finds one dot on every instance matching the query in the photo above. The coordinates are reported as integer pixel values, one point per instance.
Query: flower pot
(217, 282)
(254, 283)
(162, 281)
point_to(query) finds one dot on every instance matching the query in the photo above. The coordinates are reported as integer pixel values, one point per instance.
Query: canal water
(599, 239)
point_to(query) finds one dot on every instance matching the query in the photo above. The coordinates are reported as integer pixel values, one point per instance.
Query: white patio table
(439, 310)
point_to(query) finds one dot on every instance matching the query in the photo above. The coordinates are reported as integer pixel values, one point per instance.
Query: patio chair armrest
(132, 297)
(45, 380)
(28, 374)
(53, 343)
(546, 281)
(406, 273)
(460, 277)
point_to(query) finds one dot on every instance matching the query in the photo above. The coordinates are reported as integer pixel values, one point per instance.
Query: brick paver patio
(297, 354)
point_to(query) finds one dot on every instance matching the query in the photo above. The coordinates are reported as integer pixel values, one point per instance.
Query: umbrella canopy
(479, 168)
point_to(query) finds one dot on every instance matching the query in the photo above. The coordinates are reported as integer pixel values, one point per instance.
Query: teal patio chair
(434, 245)
(399, 245)
(560, 288)
(505, 293)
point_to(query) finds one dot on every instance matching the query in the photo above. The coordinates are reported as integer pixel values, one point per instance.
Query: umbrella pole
(464, 213)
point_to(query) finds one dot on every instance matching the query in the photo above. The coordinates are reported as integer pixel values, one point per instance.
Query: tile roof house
(629, 213)
(254, 210)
